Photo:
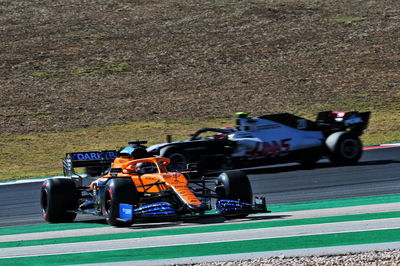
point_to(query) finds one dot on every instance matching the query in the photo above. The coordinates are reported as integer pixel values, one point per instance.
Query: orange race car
(137, 187)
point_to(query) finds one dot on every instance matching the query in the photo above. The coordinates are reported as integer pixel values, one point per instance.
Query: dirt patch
(71, 64)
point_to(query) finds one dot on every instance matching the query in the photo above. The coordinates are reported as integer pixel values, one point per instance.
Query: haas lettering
(271, 148)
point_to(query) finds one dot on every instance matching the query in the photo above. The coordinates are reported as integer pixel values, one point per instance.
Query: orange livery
(129, 185)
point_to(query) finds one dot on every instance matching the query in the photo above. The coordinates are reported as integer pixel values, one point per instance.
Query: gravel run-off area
(386, 257)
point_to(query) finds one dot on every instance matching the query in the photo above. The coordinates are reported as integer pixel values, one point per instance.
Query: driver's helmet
(146, 168)
(229, 130)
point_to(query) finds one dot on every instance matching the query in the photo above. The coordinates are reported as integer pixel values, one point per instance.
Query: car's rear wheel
(345, 148)
(234, 185)
(118, 191)
(179, 158)
(59, 200)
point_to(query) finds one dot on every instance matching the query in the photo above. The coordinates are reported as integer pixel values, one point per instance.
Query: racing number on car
(272, 148)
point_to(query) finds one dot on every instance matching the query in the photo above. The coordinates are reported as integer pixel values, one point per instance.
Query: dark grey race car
(270, 139)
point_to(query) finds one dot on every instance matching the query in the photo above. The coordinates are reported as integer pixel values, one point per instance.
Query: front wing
(224, 207)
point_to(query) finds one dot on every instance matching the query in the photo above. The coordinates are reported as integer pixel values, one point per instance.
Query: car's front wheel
(118, 191)
(234, 185)
(179, 158)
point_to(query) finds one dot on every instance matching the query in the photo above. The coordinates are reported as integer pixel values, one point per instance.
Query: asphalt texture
(377, 173)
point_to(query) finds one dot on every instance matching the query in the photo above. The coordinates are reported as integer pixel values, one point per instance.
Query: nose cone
(198, 208)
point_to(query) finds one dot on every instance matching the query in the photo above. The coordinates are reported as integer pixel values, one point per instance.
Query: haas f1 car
(137, 187)
(270, 139)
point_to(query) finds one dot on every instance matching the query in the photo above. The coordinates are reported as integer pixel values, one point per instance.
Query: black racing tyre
(344, 148)
(179, 158)
(118, 190)
(234, 185)
(59, 200)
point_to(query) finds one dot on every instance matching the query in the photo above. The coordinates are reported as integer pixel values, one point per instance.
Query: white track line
(281, 216)
(27, 181)
(203, 238)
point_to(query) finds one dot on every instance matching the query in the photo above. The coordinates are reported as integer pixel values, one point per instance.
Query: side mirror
(131, 169)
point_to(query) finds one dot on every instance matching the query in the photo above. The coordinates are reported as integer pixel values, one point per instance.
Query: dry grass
(40, 154)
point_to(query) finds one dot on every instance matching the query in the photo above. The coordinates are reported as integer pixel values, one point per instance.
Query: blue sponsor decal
(100, 185)
(86, 156)
(155, 209)
(228, 206)
(125, 211)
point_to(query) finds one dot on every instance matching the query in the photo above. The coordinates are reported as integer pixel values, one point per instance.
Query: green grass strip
(390, 143)
(203, 229)
(334, 203)
(211, 249)
(275, 208)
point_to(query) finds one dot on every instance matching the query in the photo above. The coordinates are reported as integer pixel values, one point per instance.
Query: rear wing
(95, 163)
(343, 121)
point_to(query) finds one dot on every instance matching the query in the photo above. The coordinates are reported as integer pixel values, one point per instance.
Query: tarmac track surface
(310, 228)
(298, 221)
(377, 173)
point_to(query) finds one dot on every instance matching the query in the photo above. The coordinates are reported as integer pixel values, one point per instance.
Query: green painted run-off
(210, 249)
(203, 229)
(276, 208)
